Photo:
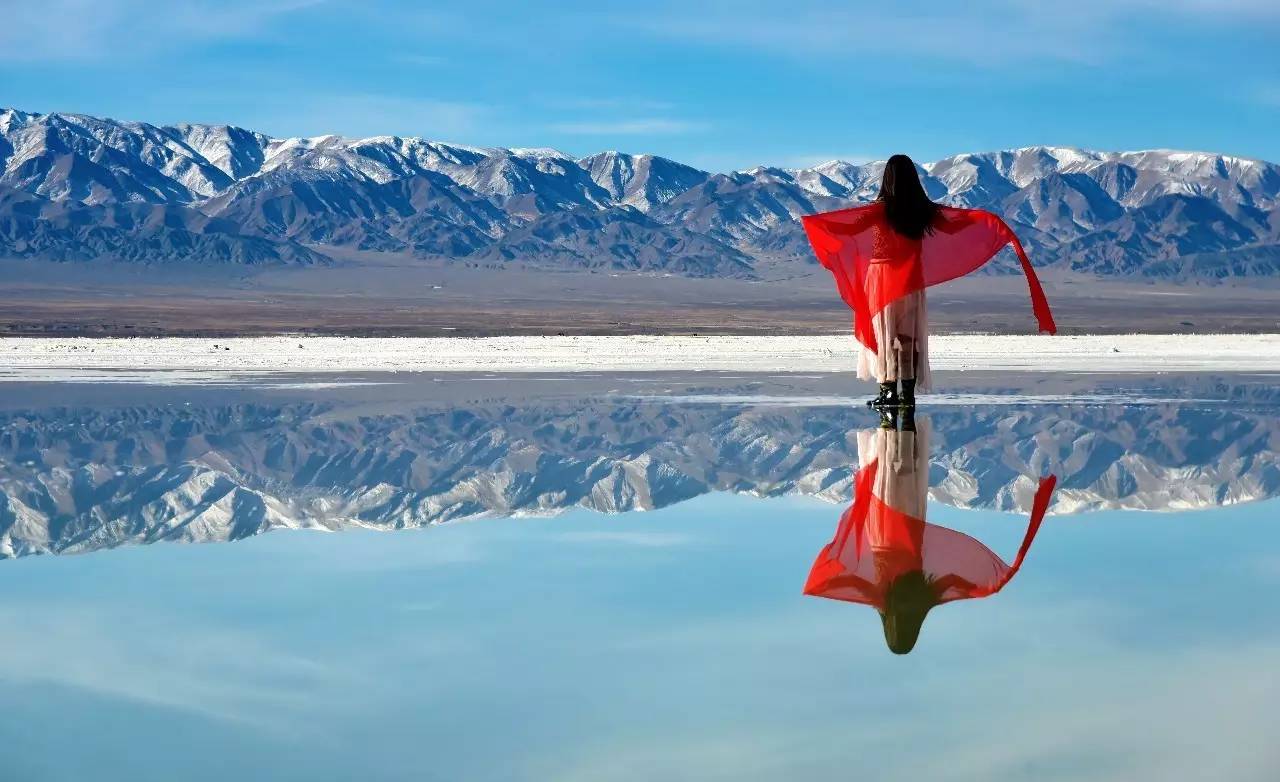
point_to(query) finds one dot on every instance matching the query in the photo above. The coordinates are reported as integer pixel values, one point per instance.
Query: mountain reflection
(887, 556)
(86, 477)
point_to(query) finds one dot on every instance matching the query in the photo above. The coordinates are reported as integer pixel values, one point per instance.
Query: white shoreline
(197, 360)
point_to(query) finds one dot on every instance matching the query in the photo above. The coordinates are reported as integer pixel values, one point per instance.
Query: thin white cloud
(217, 673)
(74, 30)
(307, 113)
(1266, 95)
(613, 103)
(631, 127)
(845, 33)
(1071, 703)
(1225, 11)
(627, 538)
(424, 60)
(992, 34)
(372, 114)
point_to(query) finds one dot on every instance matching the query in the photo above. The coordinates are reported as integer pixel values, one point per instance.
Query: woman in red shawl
(883, 255)
(887, 556)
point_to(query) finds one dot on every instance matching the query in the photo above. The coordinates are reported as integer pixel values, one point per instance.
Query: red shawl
(875, 544)
(849, 241)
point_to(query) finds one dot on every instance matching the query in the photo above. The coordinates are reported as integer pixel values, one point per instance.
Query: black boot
(888, 396)
(909, 393)
(908, 419)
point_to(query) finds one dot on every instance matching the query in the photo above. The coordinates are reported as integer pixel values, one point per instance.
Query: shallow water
(526, 621)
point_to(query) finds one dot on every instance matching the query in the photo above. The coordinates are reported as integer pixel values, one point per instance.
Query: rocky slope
(74, 186)
(79, 479)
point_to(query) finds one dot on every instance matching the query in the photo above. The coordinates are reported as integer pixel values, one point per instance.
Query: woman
(886, 555)
(883, 255)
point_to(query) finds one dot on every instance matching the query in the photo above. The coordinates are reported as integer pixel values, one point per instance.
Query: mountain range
(78, 479)
(76, 187)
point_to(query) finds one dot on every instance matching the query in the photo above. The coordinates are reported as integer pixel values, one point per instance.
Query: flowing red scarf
(849, 241)
(875, 544)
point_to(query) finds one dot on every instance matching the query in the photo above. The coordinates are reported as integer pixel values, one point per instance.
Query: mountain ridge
(253, 198)
(79, 479)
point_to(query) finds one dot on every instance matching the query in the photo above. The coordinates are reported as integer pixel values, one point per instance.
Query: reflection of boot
(888, 396)
(908, 419)
(909, 393)
(888, 417)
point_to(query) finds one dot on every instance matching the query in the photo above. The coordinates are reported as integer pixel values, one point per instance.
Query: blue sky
(718, 84)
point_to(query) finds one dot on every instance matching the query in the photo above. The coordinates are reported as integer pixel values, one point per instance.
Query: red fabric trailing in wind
(875, 544)
(874, 265)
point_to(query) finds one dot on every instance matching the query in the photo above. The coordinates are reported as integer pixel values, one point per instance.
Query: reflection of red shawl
(848, 241)
(875, 544)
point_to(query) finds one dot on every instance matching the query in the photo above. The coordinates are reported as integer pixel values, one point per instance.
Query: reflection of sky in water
(666, 645)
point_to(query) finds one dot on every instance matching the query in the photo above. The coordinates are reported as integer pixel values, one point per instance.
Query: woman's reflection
(886, 555)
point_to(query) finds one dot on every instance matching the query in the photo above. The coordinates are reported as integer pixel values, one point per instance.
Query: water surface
(474, 592)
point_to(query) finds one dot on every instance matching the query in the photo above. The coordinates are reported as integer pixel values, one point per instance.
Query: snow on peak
(539, 153)
(192, 163)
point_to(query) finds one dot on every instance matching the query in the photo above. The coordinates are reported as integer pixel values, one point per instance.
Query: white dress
(902, 477)
(902, 333)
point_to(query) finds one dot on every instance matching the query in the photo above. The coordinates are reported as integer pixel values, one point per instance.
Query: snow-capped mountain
(74, 186)
(80, 479)
(641, 181)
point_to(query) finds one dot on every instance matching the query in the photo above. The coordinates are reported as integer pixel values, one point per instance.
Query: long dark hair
(906, 205)
(907, 602)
